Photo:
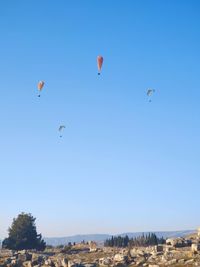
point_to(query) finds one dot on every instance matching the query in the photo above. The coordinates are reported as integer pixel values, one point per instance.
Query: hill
(55, 241)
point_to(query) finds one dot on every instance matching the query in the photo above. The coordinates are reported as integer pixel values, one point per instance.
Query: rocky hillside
(179, 253)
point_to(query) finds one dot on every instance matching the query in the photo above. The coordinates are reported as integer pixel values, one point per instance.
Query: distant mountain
(55, 241)
(165, 234)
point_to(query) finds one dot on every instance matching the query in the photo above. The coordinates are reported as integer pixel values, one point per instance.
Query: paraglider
(60, 129)
(99, 64)
(40, 87)
(150, 92)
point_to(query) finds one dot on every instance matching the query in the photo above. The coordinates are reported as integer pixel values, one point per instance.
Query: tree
(23, 235)
(143, 240)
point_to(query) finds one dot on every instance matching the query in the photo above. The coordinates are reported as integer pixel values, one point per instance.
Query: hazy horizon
(124, 164)
(110, 233)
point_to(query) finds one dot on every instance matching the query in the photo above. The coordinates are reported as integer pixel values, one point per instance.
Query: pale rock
(181, 261)
(140, 261)
(133, 253)
(64, 262)
(105, 261)
(189, 261)
(195, 247)
(119, 257)
(171, 262)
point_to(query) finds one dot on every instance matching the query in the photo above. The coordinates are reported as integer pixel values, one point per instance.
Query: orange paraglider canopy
(40, 86)
(99, 63)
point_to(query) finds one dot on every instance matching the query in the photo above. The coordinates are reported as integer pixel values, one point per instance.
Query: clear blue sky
(123, 164)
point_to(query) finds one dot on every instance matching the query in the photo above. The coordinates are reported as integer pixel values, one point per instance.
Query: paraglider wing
(40, 86)
(60, 129)
(99, 63)
(150, 92)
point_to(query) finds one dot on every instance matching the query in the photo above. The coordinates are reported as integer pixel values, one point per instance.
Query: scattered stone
(89, 265)
(195, 247)
(140, 261)
(105, 261)
(152, 256)
(119, 257)
(92, 246)
(181, 261)
(171, 262)
(133, 253)
(189, 261)
(6, 253)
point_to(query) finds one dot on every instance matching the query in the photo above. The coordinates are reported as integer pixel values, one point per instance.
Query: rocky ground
(154, 256)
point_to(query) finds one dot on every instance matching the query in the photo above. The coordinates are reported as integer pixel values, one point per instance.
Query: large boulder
(135, 252)
(195, 247)
(105, 261)
(119, 258)
(92, 246)
(188, 262)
